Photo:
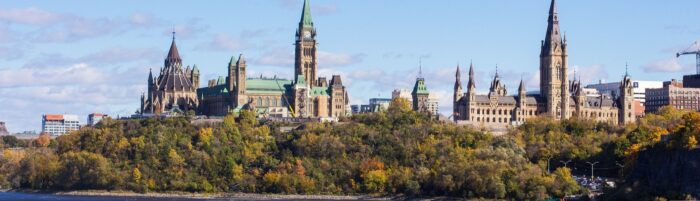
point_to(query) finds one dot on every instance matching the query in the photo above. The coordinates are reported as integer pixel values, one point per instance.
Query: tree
(399, 105)
(38, 170)
(85, 170)
(43, 141)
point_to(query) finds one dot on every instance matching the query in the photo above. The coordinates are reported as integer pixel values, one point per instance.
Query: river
(18, 196)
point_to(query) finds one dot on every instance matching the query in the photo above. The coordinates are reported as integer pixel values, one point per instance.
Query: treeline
(396, 152)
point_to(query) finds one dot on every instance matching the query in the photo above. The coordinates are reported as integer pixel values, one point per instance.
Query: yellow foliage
(13, 156)
(123, 144)
(205, 135)
(692, 142)
(136, 175)
(271, 178)
(43, 141)
(237, 171)
(633, 149)
(399, 105)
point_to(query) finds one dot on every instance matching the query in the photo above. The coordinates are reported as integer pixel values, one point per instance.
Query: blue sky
(79, 57)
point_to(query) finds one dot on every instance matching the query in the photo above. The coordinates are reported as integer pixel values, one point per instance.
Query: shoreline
(242, 196)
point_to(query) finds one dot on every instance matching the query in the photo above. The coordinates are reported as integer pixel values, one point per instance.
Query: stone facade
(175, 88)
(558, 98)
(304, 96)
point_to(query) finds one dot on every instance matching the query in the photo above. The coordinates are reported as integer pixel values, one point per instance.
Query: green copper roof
(212, 91)
(195, 69)
(318, 91)
(306, 15)
(420, 87)
(221, 80)
(267, 86)
(301, 80)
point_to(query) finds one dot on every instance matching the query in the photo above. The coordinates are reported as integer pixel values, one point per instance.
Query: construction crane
(693, 49)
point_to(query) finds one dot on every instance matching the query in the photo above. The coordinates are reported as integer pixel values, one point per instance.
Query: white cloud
(222, 42)
(30, 16)
(589, 74)
(276, 57)
(330, 59)
(664, 65)
(27, 93)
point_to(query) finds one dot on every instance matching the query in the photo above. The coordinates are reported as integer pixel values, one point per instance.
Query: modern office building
(59, 124)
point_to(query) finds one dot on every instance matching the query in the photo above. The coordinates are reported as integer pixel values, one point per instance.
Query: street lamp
(566, 163)
(592, 164)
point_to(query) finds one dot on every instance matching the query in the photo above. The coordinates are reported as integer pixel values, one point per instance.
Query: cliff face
(666, 173)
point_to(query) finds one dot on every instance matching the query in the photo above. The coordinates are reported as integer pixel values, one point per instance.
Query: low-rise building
(402, 93)
(95, 118)
(59, 124)
(639, 87)
(672, 94)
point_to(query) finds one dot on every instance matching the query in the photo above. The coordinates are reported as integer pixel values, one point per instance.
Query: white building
(433, 104)
(402, 93)
(638, 88)
(59, 124)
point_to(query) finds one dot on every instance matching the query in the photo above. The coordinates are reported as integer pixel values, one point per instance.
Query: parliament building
(558, 97)
(304, 96)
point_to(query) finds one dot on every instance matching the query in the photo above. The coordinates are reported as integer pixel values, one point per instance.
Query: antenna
(420, 67)
(626, 69)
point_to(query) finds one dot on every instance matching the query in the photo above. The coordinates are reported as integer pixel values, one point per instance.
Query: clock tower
(305, 63)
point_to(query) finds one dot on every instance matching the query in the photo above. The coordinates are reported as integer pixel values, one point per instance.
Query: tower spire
(553, 38)
(306, 15)
(173, 57)
(471, 84)
(626, 69)
(420, 67)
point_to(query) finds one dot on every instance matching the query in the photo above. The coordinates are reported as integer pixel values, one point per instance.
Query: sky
(82, 56)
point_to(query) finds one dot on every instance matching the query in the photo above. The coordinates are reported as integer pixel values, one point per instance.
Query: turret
(497, 88)
(626, 99)
(241, 81)
(151, 84)
(231, 79)
(195, 77)
(458, 87)
(471, 86)
(522, 94)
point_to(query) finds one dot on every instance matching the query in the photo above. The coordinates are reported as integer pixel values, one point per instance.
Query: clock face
(307, 34)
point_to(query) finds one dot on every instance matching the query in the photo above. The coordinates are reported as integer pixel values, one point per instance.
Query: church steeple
(458, 86)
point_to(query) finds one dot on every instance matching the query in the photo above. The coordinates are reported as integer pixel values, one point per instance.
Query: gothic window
(559, 71)
(274, 102)
(259, 102)
(267, 101)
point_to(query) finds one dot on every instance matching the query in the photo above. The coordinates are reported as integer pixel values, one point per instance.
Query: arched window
(274, 102)
(259, 102)
(267, 101)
